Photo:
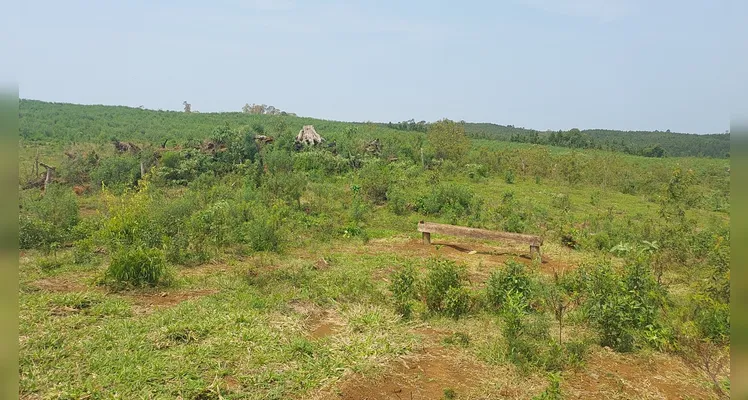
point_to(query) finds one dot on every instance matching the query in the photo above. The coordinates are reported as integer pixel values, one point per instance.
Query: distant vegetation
(648, 144)
(642, 143)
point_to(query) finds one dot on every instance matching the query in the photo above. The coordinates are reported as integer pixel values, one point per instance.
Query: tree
(448, 140)
(187, 107)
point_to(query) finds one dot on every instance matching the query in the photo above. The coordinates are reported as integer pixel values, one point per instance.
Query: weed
(404, 290)
(443, 275)
(137, 267)
(512, 278)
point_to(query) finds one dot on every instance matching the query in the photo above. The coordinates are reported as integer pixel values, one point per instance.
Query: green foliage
(476, 171)
(116, 172)
(49, 218)
(456, 302)
(403, 289)
(509, 176)
(376, 178)
(448, 140)
(137, 267)
(265, 229)
(622, 305)
(553, 391)
(448, 199)
(49, 263)
(442, 276)
(397, 200)
(511, 280)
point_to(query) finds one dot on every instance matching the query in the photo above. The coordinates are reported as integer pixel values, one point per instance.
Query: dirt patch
(231, 384)
(324, 329)
(62, 284)
(322, 324)
(146, 302)
(626, 376)
(425, 375)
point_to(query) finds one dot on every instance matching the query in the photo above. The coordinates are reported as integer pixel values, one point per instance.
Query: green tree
(448, 140)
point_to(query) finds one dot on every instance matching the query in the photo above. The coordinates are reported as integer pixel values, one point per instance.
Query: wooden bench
(427, 228)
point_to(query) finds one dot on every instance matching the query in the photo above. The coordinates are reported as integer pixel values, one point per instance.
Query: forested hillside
(72, 122)
(649, 144)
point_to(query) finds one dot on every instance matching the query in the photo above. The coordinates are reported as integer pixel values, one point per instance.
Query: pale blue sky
(543, 64)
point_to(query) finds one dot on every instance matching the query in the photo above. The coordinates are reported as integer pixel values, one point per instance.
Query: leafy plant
(442, 276)
(137, 267)
(456, 302)
(404, 290)
(513, 278)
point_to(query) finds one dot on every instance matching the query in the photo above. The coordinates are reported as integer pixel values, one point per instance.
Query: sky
(541, 64)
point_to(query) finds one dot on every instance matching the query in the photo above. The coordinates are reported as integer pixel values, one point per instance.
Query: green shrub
(442, 275)
(49, 218)
(512, 278)
(265, 230)
(561, 201)
(116, 172)
(404, 290)
(621, 306)
(711, 317)
(397, 201)
(553, 391)
(376, 178)
(449, 198)
(509, 176)
(137, 267)
(36, 233)
(322, 161)
(83, 251)
(456, 302)
(476, 171)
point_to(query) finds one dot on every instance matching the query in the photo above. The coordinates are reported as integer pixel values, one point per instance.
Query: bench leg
(427, 238)
(534, 250)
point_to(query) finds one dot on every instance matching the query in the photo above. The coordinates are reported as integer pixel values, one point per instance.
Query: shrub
(376, 178)
(476, 171)
(264, 231)
(49, 218)
(137, 267)
(711, 317)
(83, 251)
(456, 302)
(448, 140)
(509, 176)
(553, 391)
(442, 275)
(322, 161)
(35, 233)
(403, 290)
(287, 186)
(513, 278)
(448, 198)
(116, 172)
(621, 306)
(396, 200)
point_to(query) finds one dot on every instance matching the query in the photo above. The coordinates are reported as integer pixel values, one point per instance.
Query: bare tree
(187, 107)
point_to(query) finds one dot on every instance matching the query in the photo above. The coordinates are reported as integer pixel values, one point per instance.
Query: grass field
(300, 274)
